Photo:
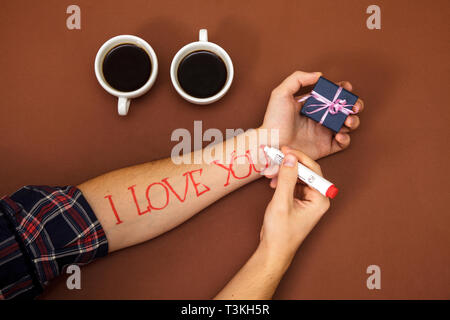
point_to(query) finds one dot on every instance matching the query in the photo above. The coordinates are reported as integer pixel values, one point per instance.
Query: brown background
(59, 127)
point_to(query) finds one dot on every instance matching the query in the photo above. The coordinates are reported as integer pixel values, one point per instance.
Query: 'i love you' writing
(191, 182)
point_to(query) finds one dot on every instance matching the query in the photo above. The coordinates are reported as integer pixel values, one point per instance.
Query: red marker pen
(305, 174)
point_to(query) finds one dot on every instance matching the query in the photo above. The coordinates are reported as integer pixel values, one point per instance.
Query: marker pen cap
(332, 192)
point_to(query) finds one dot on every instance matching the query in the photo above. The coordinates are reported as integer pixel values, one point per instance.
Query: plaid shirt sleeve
(42, 230)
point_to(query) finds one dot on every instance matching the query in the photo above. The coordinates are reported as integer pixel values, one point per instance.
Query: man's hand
(299, 132)
(293, 211)
(291, 214)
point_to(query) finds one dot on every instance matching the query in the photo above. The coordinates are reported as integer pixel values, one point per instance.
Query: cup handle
(203, 35)
(123, 105)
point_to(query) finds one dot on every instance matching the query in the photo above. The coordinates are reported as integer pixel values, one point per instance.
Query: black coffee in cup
(202, 74)
(126, 67)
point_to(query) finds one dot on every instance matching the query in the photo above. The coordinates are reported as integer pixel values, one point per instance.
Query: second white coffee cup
(202, 44)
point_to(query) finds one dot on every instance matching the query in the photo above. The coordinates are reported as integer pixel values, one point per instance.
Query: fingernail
(289, 161)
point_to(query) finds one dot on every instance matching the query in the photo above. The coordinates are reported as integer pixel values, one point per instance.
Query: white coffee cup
(202, 44)
(124, 97)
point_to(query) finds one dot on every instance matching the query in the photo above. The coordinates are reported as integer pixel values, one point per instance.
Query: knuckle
(274, 92)
(348, 84)
(361, 101)
(325, 204)
(316, 167)
(278, 92)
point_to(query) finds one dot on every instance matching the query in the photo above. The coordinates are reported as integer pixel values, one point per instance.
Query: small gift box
(328, 104)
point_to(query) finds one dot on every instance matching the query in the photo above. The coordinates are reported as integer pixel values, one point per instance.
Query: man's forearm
(138, 203)
(258, 278)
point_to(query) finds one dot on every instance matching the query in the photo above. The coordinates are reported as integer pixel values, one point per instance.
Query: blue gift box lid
(328, 89)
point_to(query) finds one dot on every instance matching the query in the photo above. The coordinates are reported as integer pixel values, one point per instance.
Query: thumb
(297, 80)
(287, 179)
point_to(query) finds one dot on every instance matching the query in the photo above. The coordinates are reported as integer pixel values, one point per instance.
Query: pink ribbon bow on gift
(333, 107)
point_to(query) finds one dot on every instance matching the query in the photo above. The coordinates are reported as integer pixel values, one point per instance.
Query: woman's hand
(299, 132)
(294, 209)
